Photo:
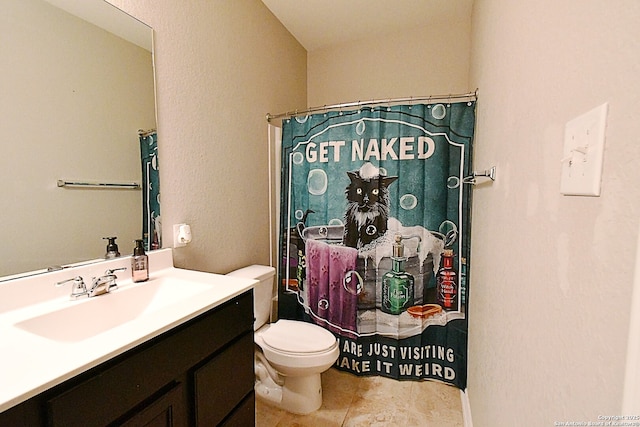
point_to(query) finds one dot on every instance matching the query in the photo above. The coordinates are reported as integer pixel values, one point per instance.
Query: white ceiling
(321, 23)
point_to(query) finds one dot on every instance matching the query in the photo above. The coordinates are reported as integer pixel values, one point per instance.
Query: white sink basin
(86, 318)
(48, 338)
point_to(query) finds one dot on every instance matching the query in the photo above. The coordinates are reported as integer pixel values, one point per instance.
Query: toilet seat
(298, 338)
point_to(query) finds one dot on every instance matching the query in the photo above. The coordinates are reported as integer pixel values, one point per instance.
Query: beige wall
(551, 277)
(72, 100)
(431, 60)
(220, 67)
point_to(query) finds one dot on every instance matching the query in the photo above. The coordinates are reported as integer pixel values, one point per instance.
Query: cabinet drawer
(104, 394)
(223, 382)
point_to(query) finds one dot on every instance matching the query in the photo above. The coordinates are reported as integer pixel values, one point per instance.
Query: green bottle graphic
(397, 285)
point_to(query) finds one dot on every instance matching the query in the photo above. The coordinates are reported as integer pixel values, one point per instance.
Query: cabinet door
(223, 382)
(26, 414)
(244, 415)
(166, 411)
(112, 390)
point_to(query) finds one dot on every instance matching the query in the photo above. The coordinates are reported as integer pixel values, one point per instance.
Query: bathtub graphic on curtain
(375, 220)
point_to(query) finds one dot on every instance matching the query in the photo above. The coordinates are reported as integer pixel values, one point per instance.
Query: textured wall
(429, 60)
(220, 67)
(551, 277)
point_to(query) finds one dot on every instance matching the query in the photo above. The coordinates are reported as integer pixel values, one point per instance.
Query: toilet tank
(263, 292)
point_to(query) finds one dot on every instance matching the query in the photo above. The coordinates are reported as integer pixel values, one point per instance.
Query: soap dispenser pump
(139, 263)
(112, 248)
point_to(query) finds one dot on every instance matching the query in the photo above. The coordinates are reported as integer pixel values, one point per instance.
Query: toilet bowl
(290, 355)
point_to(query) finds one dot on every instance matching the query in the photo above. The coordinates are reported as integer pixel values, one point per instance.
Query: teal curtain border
(151, 232)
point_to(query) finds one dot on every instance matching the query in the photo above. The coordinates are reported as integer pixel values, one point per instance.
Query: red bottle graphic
(447, 283)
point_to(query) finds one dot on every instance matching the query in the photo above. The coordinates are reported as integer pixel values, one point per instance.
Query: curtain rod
(472, 96)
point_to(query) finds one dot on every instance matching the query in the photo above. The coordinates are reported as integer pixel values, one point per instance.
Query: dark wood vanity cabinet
(197, 374)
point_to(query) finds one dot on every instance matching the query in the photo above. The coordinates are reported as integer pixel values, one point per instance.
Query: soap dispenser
(139, 263)
(112, 248)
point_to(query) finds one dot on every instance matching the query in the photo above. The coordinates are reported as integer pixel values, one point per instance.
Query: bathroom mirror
(77, 84)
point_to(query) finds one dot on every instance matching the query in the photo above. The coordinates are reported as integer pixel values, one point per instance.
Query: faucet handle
(78, 288)
(111, 272)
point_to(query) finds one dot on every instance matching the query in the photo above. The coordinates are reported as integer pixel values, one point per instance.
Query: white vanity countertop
(31, 363)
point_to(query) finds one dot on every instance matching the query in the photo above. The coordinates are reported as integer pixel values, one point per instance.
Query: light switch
(583, 153)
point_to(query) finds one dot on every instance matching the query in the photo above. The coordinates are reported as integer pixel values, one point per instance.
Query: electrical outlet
(583, 153)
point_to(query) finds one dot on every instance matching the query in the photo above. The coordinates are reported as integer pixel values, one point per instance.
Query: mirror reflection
(73, 98)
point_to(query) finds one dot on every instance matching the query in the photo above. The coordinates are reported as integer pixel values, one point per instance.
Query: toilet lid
(298, 337)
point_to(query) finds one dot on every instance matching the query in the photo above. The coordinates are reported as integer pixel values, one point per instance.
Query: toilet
(290, 355)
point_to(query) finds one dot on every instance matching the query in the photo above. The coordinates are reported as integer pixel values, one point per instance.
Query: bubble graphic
(371, 230)
(453, 182)
(352, 282)
(450, 232)
(302, 119)
(360, 127)
(447, 226)
(408, 202)
(383, 172)
(299, 214)
(298, 158)
(335, 221)
(438, 111)
(317, 182)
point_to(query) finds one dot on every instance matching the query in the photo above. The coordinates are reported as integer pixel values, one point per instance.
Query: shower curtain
(374, 235)
(151, 229)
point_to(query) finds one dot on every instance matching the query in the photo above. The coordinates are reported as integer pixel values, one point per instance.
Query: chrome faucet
(103, 284)
(99, 285)
(78, 288)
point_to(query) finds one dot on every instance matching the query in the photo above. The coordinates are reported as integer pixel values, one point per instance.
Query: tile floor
(352, 401)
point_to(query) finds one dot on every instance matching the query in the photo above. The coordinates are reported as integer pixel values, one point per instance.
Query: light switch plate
(583, 153)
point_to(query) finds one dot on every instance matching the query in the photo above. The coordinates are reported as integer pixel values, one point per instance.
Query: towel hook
(487, 173)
